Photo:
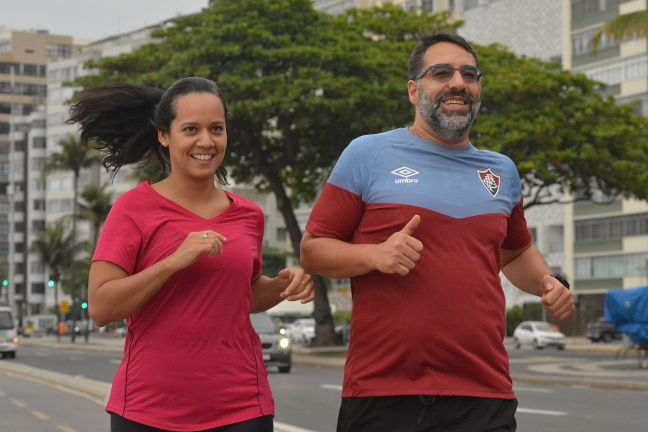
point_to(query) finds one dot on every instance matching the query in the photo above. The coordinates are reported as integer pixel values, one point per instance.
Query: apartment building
(23, 64)
(607, 243)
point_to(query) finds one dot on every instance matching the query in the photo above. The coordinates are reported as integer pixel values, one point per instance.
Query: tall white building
(607, 245)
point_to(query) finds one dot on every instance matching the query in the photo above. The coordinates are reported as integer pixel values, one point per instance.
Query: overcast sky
(91, 19)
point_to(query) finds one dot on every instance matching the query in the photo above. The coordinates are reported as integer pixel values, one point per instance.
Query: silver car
(277, 348)
(537, 334)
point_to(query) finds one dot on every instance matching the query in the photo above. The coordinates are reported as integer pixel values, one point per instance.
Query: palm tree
(73, 156)
(55, 248)
(623, 27)
(94, 206)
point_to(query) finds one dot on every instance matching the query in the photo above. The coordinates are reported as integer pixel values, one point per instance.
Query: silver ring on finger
(205, 236)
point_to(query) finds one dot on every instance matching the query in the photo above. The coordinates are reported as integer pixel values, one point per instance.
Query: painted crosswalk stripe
(541, 412)
(66, 429)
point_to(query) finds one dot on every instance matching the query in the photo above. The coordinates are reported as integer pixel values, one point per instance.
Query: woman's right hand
(194, 244)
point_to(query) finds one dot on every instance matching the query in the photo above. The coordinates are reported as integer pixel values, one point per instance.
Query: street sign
(64, 307)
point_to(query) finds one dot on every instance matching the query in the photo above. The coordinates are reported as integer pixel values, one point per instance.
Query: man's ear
(412, 91)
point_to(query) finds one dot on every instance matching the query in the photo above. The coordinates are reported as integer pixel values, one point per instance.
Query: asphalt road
(309, 396)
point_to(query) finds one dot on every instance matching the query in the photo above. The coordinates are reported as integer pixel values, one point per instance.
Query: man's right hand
(400, 252)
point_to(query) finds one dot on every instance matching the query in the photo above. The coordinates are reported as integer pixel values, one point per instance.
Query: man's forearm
(526, 270)
(335, 258)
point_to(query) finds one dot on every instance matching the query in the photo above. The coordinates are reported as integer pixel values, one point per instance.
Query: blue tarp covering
(628, 310)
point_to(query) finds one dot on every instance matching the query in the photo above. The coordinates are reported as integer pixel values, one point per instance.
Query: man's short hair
(426, 41)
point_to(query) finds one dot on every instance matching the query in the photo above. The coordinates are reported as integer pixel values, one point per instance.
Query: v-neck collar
(233, 203)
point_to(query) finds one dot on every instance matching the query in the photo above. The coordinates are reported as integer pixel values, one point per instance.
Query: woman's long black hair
(122, 120)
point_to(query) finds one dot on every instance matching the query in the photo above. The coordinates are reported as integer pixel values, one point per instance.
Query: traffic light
(84, 305)
(5, 283)
(51, 283)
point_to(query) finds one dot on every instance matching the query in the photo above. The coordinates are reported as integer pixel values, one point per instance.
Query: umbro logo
(405, 173)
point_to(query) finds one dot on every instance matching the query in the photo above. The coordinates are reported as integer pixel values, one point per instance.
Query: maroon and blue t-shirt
(192, 360)
(440, 329)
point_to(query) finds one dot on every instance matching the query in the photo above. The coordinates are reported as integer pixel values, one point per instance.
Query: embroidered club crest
(490, 181)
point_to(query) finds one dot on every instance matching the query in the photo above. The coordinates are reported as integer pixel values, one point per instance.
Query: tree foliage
(623, 27)
(94, 206)
(559, 129)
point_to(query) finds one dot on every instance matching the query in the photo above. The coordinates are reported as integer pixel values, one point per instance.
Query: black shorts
(259, 424)
(426, 414)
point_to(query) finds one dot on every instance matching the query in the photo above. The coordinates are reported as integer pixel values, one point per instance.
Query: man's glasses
(444, 73)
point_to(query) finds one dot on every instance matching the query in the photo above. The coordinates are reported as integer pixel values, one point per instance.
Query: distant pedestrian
(181, 260)
(423, 222)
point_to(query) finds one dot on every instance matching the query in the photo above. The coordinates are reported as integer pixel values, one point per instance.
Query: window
(611, 266)
(282, 234)
(54, 51)
(36, 267)
(620, 70)
(39, 142)
(585, 8)
(38, 225)
(581, 42)
(39, 204)
(534, 235)
(555, 241)
(37, 164)
(613, 228)
(38, 288)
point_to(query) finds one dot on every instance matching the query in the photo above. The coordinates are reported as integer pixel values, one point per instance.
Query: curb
(584, 382)
(97, 390)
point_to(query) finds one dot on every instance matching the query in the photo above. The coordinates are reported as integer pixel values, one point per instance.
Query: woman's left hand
(298, 285)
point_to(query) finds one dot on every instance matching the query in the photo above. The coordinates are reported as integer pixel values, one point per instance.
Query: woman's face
(197, 138)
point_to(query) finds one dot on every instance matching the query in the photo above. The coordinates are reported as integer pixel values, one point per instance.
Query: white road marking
(541, 412)
(331, 387)
(18, 403)
(66, 429)
(532, 389)
(283, 427)
(40, 415)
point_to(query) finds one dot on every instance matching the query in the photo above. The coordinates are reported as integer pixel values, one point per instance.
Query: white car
(302, 331)
(8, 333)
(537, 334)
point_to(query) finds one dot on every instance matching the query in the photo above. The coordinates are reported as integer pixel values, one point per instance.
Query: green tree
(73, 156)
(300, 84)
(559, 130)
(94, 206)
(623, 27)
(55, 247)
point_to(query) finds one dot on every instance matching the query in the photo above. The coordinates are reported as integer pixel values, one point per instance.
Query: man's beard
(450, 125)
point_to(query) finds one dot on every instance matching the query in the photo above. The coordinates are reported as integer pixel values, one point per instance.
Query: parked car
(276, 346)
(8, 333)
(537, 334)
(601, 329)
(302, 330)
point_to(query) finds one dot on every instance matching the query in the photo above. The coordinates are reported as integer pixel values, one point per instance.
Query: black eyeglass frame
(480, 72)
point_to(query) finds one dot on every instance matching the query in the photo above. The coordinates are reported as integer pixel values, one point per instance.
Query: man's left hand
(556, 298)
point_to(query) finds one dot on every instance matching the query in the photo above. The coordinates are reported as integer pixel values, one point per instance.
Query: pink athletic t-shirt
(192, 360)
